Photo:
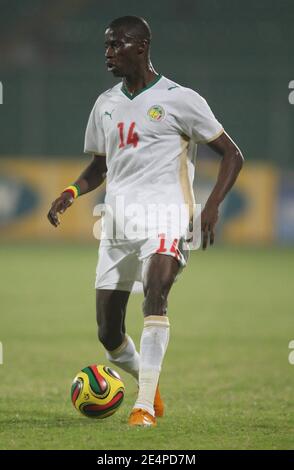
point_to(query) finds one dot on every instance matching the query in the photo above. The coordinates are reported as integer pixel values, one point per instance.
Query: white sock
(154, 341)
(126, 357)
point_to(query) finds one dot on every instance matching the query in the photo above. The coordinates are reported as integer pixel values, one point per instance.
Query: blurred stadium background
(52, 69)
(235, 354)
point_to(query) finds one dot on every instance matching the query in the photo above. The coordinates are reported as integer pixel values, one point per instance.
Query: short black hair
(135, 25)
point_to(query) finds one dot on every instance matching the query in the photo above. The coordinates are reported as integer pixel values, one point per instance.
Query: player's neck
(140, 78)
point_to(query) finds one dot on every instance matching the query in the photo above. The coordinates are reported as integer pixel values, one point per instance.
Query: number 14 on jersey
(132, 137)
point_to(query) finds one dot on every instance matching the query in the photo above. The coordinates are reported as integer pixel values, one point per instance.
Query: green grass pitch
(226, 379)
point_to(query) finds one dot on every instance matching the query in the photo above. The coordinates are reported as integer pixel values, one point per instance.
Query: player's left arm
(230, 166)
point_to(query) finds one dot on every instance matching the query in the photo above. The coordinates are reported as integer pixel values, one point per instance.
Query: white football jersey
(150, 142)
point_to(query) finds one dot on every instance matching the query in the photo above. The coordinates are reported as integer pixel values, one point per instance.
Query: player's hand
(60, 205)
(209, 217)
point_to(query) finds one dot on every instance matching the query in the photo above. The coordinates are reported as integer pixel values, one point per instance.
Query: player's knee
(157, 285)
(155, 302)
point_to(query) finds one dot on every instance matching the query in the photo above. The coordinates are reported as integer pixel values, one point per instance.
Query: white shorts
(121, 262)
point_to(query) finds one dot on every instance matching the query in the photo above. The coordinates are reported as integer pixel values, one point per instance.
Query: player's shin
(154, 341)
(126, 357)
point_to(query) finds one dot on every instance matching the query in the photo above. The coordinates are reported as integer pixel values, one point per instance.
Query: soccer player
(143, 135)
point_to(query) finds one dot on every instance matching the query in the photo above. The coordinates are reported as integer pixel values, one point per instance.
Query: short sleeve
(196, 119)
(94, 136)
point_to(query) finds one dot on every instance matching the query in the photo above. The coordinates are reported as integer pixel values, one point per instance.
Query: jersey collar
(150, 84)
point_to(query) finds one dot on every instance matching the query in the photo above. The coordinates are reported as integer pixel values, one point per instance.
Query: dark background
(238, 55)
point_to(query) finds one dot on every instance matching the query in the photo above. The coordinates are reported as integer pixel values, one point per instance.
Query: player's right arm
(92, 177)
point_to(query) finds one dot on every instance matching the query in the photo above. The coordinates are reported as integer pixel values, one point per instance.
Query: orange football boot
(158, 404)
(140, 417)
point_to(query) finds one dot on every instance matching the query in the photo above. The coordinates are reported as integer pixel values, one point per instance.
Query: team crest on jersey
(156, 113)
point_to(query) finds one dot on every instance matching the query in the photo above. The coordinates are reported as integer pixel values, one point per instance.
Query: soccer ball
(97, 391)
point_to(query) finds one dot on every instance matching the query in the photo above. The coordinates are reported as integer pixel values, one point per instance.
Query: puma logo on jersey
(172, 87)
(106, 113)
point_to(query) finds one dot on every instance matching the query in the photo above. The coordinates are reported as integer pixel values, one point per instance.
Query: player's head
(127, 43)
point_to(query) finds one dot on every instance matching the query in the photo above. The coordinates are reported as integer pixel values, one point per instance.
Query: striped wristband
(74, 190)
